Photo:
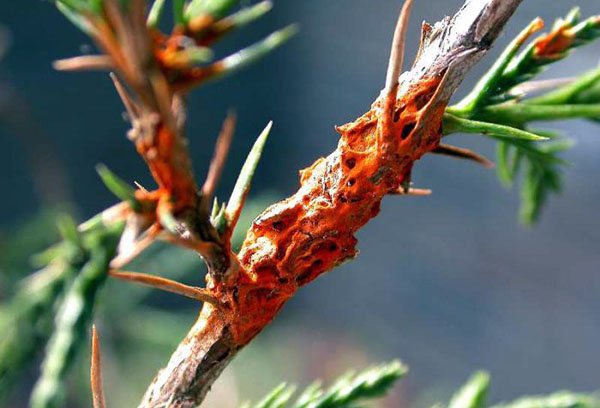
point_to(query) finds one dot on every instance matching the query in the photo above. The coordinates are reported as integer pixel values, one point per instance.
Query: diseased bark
(298, 239)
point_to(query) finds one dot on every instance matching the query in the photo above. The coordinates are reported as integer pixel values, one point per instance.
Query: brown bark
(296, 240)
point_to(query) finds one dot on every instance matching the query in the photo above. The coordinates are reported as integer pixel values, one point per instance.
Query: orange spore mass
(298, 239)
(175, 184)
(555, 43)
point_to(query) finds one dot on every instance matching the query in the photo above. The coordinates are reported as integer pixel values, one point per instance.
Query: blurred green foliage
(497, 100)
(352, 390)
(349, 390)
(43, 304)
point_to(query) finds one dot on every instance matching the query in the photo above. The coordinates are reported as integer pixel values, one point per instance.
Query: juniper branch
(295, 241)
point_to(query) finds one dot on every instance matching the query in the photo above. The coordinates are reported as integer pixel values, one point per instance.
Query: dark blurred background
(449, 283)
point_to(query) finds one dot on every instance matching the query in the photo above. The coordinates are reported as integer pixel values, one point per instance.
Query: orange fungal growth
(556, 42)
(174, 179)
(562, 37)
(298, 239)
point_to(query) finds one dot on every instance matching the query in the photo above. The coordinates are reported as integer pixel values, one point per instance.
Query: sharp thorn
(165, 284)
(394, 69)
(461, 153)
(162, 96)
(128, 252)
(96, 373)
(84, 63)
(219, 156)
(138, 185)
(412, 191)
(397, 52)
(202, 248)
(419, 191)
(130, 106)
(242, 185)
